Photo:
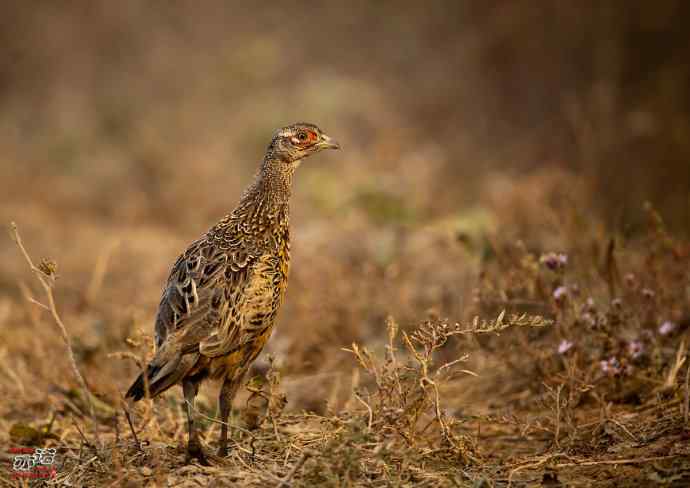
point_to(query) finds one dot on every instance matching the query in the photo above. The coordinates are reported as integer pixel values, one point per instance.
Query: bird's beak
(327, 143)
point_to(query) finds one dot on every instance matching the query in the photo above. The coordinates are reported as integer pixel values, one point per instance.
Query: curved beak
(327, 143)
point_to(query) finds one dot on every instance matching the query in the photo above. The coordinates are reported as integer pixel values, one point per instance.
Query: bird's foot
(195, 452)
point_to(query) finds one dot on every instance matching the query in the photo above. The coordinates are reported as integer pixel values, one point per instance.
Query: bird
(222, 296)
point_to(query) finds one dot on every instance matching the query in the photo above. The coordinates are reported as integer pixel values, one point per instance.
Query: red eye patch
(305, 137)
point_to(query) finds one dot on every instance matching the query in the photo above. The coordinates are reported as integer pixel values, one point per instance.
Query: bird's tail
(138, 389)
(160, 377)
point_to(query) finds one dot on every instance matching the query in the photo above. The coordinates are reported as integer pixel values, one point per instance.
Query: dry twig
(286, 481)
(46, 276)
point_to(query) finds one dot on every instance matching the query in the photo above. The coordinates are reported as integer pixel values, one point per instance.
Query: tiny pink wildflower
(554, 261)
(630, 279)
(611, 367)
(560, 293)
(565, 346)
(667, 327)
(648, 293)
(635, 349)
(589, 318)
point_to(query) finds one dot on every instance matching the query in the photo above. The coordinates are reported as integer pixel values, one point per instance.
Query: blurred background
(128, 128)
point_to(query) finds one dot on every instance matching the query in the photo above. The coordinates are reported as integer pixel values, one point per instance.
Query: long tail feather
(161, 377)
(138, 389)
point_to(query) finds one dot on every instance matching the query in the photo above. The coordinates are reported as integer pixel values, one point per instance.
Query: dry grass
(583, 380)
(479, 295)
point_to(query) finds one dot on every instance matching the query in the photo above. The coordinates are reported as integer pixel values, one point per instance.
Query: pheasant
(221, 299)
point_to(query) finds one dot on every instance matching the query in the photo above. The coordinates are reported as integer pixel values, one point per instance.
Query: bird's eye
(303, 138)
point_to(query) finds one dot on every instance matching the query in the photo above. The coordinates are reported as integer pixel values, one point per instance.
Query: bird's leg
(227, 393)
(194, 450)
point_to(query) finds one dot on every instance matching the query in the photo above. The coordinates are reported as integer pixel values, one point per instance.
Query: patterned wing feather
(204, 287)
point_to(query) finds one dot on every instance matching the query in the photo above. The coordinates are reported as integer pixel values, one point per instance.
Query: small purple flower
(667, 327)
(560, 293)
(635, 349)
(611, 366)
(554, 261)
(589, 319)
(629, 279)
(565, 346)
(549, 260)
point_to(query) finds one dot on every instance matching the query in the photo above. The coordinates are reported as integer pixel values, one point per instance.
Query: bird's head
(295, 142)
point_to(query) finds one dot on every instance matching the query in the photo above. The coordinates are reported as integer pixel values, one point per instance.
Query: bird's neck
(274, 179)
(269, 194)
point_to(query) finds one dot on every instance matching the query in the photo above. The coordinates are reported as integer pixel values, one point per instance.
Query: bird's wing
(199, 312)
(201, 301)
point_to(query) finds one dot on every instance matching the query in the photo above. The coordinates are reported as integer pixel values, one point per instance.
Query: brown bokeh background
(128, 128)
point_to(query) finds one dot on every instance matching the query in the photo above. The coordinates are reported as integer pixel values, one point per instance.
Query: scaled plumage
(223, 294)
